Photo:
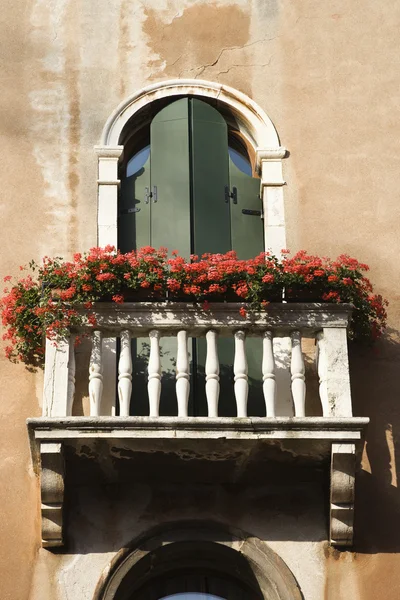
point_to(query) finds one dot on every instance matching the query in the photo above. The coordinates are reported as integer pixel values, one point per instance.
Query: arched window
(198, 562)
(187, 183)
(198, 570)
(190, 139)
(195, 584)
(192, 596)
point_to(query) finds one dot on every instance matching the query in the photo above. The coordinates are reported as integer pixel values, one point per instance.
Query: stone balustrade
(282, 327)
(302, 354)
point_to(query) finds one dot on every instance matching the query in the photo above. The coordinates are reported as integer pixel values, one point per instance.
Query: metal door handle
(154, 194)
(249, 211)
(128, 211)
(227, 194)
(234, 195)
(147, 195)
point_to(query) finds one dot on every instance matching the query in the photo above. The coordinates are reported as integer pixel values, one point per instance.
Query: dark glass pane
(192, 596)
(242, 163)
(137, 161)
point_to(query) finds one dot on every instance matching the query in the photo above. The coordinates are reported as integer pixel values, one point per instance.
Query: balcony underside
(252, 451)
(213, 442)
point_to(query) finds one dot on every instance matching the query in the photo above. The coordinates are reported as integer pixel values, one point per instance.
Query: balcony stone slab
(248, 451)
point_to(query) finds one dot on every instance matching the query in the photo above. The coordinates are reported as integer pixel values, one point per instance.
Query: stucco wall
(106, 518)
(327, 75)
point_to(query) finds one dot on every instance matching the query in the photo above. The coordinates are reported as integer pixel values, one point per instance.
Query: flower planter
(297, 294)
(273, 296)
(48, 304)
(139, 295)
(229, 296)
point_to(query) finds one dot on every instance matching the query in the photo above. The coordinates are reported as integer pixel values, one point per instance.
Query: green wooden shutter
(248, 241)
(170, 214)
(247, 226)
(210, 176)
(211, 230)
(134, 213)
(133, 233)
(190, 168)
(170, 174)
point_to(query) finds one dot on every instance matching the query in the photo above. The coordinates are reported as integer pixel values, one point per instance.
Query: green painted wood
(170, 173)
(170, 215)
(248, 241)
(190, 166)
(133, 233)
(247, 230)
(210, 175)
(211, 224)
(134, 227)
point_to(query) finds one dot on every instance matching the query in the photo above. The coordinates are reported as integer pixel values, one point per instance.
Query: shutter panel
(134, 227)
(133, 233)
(190, 167)
(170, 215)
(248, 241)
(211, 229)
(247, 229)
(210, 175)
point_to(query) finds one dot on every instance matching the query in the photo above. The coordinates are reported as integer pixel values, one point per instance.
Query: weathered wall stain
(21, 209)
(124, 46)
(327, 77)
(196, 38)
(49, 128)
(72, 67)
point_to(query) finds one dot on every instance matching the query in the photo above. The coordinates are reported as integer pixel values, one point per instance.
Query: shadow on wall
(375, 382)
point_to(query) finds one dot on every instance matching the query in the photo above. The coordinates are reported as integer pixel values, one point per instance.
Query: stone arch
(234, 551)
(256, 126)
(255, 122)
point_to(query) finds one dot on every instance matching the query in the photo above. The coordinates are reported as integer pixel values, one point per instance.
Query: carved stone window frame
(254, 125)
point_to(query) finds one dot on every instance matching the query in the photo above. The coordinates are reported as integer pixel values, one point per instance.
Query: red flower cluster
(50, 303)
(342, 280)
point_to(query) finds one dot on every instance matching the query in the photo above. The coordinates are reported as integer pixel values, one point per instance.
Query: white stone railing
(281, 327)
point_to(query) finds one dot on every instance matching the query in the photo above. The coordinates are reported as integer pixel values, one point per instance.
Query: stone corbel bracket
(339, 438)
(343, 469)
(52, 493)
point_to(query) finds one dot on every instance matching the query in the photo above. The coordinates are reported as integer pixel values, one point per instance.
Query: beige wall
(327, 73)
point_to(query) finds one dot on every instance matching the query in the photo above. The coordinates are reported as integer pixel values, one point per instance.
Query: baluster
(297, 371)
(125, 374)
(154, 369)
(322, 368)
(71, 376)
(268, 370)
(240, 372)
(182, 374)
(95, 375)
(212, 374)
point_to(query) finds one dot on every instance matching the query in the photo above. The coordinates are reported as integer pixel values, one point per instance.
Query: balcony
(307, 421)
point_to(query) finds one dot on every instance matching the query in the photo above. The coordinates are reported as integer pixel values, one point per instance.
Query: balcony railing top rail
(281, 328)
(168, 317)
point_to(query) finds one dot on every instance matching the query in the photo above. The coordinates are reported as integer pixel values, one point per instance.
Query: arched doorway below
(198, 562)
